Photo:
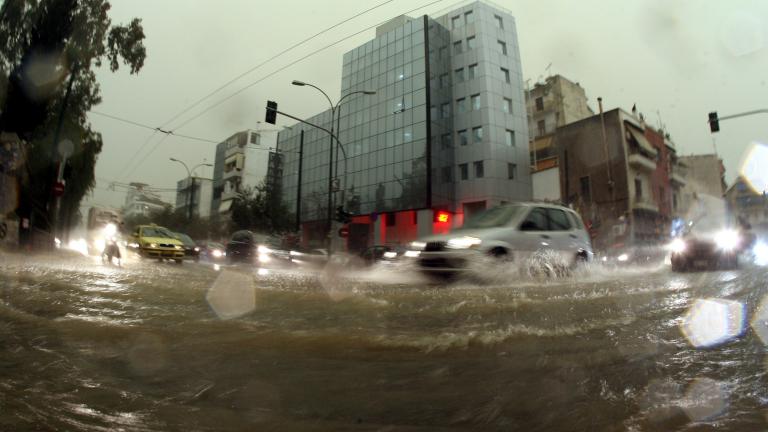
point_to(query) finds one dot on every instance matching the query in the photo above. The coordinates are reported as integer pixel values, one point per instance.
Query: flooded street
(156, 347)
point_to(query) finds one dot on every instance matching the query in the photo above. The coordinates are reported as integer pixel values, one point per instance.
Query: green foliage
(43, 44)
(178, 221)
(260, 211)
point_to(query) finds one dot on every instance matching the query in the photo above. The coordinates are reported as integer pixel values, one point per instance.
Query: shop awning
(642, 141)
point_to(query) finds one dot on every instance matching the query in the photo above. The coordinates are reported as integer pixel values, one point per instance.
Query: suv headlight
(177, 247)
(727, 240)
(463, 242)
(152, 245)
(418, 245)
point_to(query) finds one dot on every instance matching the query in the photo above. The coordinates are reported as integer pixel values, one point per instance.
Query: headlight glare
(463, 242)
(418, 245)
(677, 245)
(727, 240)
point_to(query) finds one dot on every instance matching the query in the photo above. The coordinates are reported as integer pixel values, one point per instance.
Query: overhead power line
(210, 107)
(274, 57)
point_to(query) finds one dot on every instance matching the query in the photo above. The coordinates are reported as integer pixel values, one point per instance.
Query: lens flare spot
(760, 252)
(232, 295)
(705, 399)
(752, 167)
(711, 322)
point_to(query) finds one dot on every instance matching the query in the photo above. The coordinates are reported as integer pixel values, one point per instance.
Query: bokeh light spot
(705, 399)
(753, 167)
(711, 322)
(232, 295)
(760, 321)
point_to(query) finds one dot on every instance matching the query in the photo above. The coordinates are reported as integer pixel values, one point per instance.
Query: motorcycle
(111, 252)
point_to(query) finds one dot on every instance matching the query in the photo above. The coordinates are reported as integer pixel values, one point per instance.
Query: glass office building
(403, 149)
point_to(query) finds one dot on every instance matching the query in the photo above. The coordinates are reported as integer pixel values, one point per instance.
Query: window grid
(479, 169)
(509, 138)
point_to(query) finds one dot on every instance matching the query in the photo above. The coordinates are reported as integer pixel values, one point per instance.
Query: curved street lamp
(334, 109)
(190, 184)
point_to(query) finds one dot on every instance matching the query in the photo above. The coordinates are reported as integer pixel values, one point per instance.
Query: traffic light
(271, 115)
(714, 122)
(343, 216)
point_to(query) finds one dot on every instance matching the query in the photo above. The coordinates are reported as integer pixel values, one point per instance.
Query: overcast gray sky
(675, 59)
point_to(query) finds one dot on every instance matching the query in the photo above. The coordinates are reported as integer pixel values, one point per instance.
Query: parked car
(510, 233)
(152, 241)
(212, 251)
(191, 250)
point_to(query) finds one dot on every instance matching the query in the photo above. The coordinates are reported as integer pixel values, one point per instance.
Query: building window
(475, 102)
(674, 202)
(539, 103)
(470, 43)
(477, 134)
(463, 139)
(463, 171)
(461, 105)
(638, 188)
(457, 48)
(469, 17)
(479, 169)
(586, 189)
(458, 75)
(542, 126)
(662, 198)
(254, 138)
(511, 171)
(456, 22)
(444, 81)
(472, 71)
(506, 105)
(505, 74)
(445, 141)
(447, 174)
(503, 47)
(509, 136)
(499, 21)
(445, 110)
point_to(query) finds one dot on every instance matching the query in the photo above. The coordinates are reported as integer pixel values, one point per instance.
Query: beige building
(748, 205)
(705, 174)
(554, 103)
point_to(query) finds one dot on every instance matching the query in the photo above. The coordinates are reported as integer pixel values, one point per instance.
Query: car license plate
(700, 263)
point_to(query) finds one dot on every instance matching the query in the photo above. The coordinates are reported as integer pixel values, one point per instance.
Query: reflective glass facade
(438, 119)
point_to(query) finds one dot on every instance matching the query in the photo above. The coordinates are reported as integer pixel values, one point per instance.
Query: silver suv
(512, 232)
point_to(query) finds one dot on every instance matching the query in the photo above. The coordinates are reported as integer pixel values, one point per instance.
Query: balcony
(644, 203)
(642, 162)
(677, 180)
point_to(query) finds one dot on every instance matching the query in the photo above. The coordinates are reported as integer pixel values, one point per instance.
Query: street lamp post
(334, 108)
(190, 185)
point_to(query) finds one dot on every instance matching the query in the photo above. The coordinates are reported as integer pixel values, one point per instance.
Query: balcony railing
(641, 161)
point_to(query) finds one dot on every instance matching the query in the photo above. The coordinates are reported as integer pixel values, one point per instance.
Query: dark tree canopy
(44, 44)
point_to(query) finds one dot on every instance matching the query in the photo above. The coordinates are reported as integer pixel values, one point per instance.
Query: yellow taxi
(152, 241)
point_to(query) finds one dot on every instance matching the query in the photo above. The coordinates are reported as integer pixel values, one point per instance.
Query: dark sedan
(191, 250)
(241, 247)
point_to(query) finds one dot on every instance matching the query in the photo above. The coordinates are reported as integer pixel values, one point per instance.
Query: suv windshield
(495, 217)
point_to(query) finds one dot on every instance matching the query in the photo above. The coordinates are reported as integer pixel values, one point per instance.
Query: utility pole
(298, 183)
(63, 152)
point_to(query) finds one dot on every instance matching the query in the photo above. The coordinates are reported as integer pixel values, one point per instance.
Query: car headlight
(263, 249)
(463, 242)
(217, 253)
(677, 246)
(412, 253)
(133, 245)
(153, 245)
(197, 249)
(418, 245)
(727, 240)
(177, 247)
(264, 258)
(622, 258)
(390, 254)
(109, 230)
